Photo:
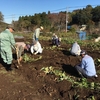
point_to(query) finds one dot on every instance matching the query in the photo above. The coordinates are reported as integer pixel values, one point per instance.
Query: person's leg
(84, 35)
(20, 51)
(6, 55)
(80, 35)
(80, 71)
(72, 53)
(53, 41)
(3, 56)
(57, 42)
(8, 59)
(8, 67)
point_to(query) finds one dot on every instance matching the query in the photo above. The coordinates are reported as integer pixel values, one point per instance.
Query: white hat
(41, 27)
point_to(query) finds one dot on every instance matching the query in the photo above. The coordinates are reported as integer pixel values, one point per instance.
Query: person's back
(6, 39)
(36, 48)
(21, 44)
(88, 65)
(75, 49)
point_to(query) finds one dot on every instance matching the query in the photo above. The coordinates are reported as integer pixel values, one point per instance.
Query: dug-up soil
(29, 82)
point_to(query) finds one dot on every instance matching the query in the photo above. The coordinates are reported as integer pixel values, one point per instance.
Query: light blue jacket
(88, 65)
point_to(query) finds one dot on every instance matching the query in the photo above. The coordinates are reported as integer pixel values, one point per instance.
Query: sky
(13, 9)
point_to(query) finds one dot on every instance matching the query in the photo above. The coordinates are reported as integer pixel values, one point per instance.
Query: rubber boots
(8, 67)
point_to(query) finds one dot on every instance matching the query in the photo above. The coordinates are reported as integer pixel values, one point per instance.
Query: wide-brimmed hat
(41, 27)
(11, 26)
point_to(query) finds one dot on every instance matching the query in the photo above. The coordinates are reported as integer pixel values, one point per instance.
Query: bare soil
(30, 83)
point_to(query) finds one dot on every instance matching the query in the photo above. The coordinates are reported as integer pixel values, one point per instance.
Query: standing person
(37, 33)
(82, 33)
(36, 48)
(87, 66)
(7, 42)
(75, 49)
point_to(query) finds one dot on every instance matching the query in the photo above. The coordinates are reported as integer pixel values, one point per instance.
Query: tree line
(57, 21)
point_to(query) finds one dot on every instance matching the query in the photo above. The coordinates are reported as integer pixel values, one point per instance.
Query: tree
(1, 17)
(81, 17)
(96, 14)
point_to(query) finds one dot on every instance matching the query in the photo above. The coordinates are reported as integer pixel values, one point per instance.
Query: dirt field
(29, 82)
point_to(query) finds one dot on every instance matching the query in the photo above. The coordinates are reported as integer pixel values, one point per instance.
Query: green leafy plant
(28, 58)
(97, 62)
(61, 75)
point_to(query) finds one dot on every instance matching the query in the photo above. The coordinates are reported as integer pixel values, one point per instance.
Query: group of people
(7, 43)
(87, 67)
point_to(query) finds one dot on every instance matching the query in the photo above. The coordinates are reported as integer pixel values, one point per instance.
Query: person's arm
(79, 47)
(83, 63)
(32, 49)
(12, 41)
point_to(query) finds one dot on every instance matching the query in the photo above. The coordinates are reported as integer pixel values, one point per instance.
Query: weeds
(28, 58)
(61, 75)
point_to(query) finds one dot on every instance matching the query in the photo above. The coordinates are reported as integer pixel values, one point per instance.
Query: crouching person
(75, 49)
(36, 48)
(56, 40)
(87, 67)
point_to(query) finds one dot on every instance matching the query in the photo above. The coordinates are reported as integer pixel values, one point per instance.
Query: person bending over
(20, 48)
(36, 48)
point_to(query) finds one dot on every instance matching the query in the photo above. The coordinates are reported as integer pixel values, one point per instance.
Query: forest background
(57, 22)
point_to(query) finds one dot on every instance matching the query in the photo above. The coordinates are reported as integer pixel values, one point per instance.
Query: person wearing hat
(87, 67)
(36, 48)
(7, 42)
(37, 33)
(75, 49)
